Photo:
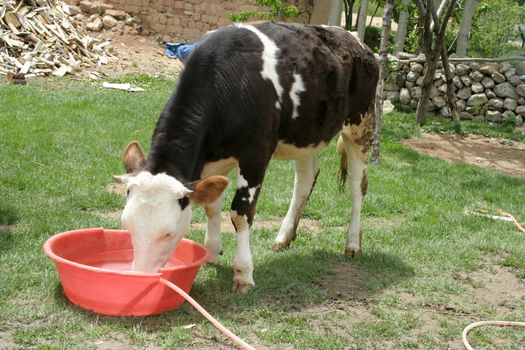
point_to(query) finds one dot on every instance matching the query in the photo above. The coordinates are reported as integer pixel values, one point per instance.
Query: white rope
(487, 323)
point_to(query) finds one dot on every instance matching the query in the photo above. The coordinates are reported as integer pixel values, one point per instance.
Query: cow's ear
(133, 157)
(208, 190)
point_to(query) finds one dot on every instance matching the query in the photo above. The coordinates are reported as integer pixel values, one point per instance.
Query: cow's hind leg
(356, 141)
(306, 171)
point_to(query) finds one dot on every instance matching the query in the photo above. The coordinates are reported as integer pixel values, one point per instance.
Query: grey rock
(416, 67)
(401, 79)
(465, 115)
(466, 80)
(412, 76)
(415, 92)
(434, 91)
(476, 75)
(461, 105)
(457, 82)
(493, 116)
(506, 90)
(464, 93)
(521, 68)
(510, 73)
(509, 115)
(396, 66)
(519, 120)
(413, 104)
(95, 26)
(520, 90)
(488, 69)
(477, 100)
(504, 66)
(476, 87)
(391, 87)
(515, 80)
(405, 55)
(71, 9)
(406, 68)
(495, 103)
(419, 81)
(510, 104)
(490, 93)
(443, 88)
(393, 96)
(409, 84)
(117, 14)
(438, 74)
(109, 22)
(439, 102)
(438, 82)
(498, 77)
(520, 110)
(404, 96)
(521, 101)
(445, 112)
(462, 69)
(475, 66)
(487, 83)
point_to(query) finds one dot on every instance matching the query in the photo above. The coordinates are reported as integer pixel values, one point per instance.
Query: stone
(506, 90)
(445, 112)
(487, 83)
(412, 76)
(495, 103)
(498, 77)
(95, 26)
(415, 92)
(488, 69)
(443, 88)
(520, 110)
(93, 17)
(71, 10)
(520, 90)
(464, 93)
(109, 22)
(477, 100)
(434, 91)
(416, 67)
(457, 82)
(117, 14)
(462, 69)
(493, 116)
(409, 84)
(510, 73)
(466, 80)
(395, 66)
(475, 66)
(406, 68)
(515, 80)
(461, 105)
(510, 104)
(439, 101)
(519, 120)
(504, 66)
(400, 80)
(391, 87)
(438, 74)
(476, 75)
(490, 93)
(413, 104)
(393, 96)
(79, 17)
(404, 96)
(465, 116)
(521, 68)
(84, 5)
(419, 81)
(438, 83)
(405, 55)
(508, 115)
(476, 87)
(521, 101)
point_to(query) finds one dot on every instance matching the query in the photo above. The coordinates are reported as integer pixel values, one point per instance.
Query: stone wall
(190, 19)
(486, 91)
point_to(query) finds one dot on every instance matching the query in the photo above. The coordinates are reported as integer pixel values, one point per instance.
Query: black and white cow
(249, 94)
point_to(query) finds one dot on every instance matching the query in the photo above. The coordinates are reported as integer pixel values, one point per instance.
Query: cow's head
(157, 212)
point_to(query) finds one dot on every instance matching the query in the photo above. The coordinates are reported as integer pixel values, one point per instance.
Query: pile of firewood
(40, 37)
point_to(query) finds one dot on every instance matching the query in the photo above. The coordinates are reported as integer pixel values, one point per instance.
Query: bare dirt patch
(487, 152)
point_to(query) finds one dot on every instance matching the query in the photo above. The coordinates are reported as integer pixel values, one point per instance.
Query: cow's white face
(155, 218)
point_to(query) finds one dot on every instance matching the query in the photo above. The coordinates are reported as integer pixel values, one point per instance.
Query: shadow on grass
(288, 281)
(8, 219)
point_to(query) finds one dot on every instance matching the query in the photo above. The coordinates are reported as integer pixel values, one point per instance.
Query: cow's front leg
(249, 180)
(213, 239)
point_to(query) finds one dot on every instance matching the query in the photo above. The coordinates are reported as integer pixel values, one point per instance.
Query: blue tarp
(179, 50)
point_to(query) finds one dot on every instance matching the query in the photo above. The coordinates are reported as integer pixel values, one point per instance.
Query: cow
(250, 93)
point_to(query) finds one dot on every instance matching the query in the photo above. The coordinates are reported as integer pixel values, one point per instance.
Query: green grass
(61, 142)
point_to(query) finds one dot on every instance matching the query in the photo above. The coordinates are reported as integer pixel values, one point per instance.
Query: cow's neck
(177, 142)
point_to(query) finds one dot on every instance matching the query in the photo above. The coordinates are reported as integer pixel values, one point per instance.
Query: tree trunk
(440, 9)
(362, 20)
(451, 95)
(432, 47)
(387, 20)
(336, 8)
(374, 14)
(348, 6)
(401, 34)
(464, 29)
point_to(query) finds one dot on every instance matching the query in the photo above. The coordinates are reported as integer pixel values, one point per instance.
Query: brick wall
(190, 19)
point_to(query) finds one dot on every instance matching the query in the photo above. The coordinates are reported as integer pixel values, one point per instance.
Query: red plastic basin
(94, 268)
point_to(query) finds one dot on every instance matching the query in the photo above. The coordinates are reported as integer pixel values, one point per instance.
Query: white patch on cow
(269, 57)
(296, 89)
(220, 167)
(277, 105)
(358, 40)
(287, 151)
(252, 192)
(241, 181)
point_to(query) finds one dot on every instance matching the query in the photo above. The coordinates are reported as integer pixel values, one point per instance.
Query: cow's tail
(343, 163)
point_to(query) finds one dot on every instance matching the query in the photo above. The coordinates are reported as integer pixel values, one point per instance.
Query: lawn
(428, 269)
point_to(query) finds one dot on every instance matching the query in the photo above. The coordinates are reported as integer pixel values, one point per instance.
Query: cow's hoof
(241, 288)
(353, 252)
(215, 258)
(280, 246)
